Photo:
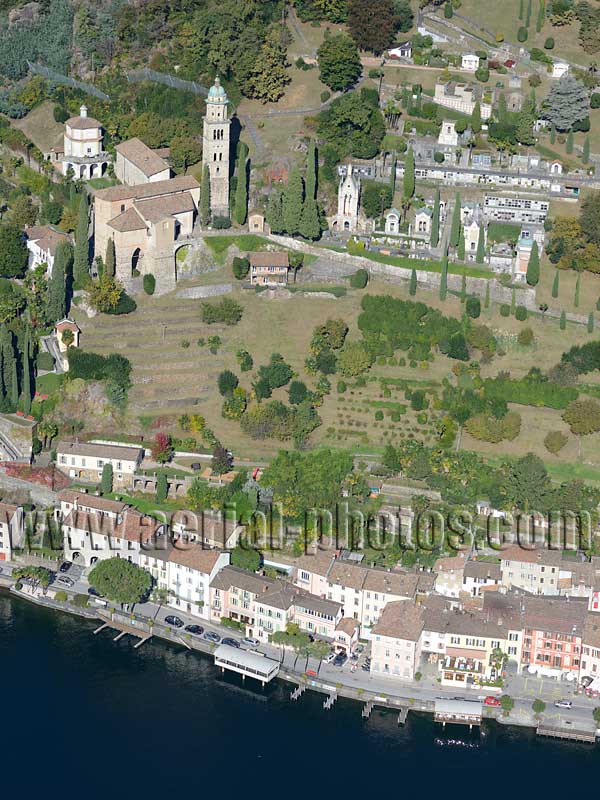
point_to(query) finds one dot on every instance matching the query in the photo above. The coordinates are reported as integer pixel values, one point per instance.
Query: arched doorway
(135, 260)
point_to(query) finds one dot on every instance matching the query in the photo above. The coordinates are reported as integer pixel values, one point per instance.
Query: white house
(470, 62)
(12, 529)
(190, 569)
(403, 50)
(42, 241)
(85, 460)
(96, 528)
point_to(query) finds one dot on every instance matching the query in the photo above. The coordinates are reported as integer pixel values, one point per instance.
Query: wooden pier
(571, 734)
(124, 630)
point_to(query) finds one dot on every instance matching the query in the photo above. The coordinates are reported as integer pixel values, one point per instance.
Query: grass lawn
(102, 183)
(589, 291)
(245, 241)
(147, 504)
(49, 383)
(41, 127)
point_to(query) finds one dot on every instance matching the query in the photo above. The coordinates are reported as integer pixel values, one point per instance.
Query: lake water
(87, 717)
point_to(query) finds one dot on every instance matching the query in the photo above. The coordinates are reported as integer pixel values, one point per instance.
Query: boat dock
(569, 733)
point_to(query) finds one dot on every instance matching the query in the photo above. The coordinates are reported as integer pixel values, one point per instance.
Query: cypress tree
(555, 284)
(2, 386)
(552, 134)
(204, 210)
(409, 174)
(461, 245)
(8, 356)
(455, 228)
(435, 221)
(577, 287)
(480, 255)
(26, 395)
(57, 286)
(533, 267)
(476, 118)
(444, 279)
(590, 323)
(81, 257)
(412, 290)
(110, 262)
(513, 302)
(569, 145)
(162, 488)
(528, 14)
(311, 171)
(274, 211)
(486, 302)
(393, 176)
(563, 320)
(310, 227)
(14, 384)
(293, 200)
(586, 150)
(463, 287)
(521, 9)
(598, 304)
(240, 208)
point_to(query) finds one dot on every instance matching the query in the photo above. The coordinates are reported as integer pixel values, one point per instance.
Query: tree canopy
(120, 581)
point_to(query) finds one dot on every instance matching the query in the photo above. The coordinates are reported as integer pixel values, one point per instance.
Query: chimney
(83, 111)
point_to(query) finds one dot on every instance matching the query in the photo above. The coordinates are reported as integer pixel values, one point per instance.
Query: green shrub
(521, 313)
(522, 34)
(149, 283)
(44, 361)
(61, 597)
(473, 307)
(341, 387)
(549, 43)
(80, 600)
(379, 415)
(125, 305)
(359, 279)
(505, 310)
(220, 223)
(325, 95)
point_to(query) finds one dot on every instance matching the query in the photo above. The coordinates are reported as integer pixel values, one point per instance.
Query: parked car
(211, 636)
(492, 701)
(340, 660)
(563, 704)
(65, 566)
(250, 642)
(64, 581)
(329, 658)
(231, 642)
(174, 621)
(94, 592)
(196, 630)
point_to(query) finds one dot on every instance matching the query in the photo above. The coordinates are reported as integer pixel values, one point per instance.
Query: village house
(256, 222)
(86, 460)
(83, 155)
(480, 577)
(396, 640)
(449, 574)
(269, 268)
(267, 605)
(422, 223)
(190, 569)
(96, 528)
(589, 672)
(12, 530)
(137, 163)
(403, 50)
(208, 528)
(553, 635)
(42, 241)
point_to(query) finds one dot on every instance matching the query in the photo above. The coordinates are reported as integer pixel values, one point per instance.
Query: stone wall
(427, 280)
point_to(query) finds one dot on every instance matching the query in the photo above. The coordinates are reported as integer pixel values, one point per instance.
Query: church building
(83, 153)
(346, 218)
